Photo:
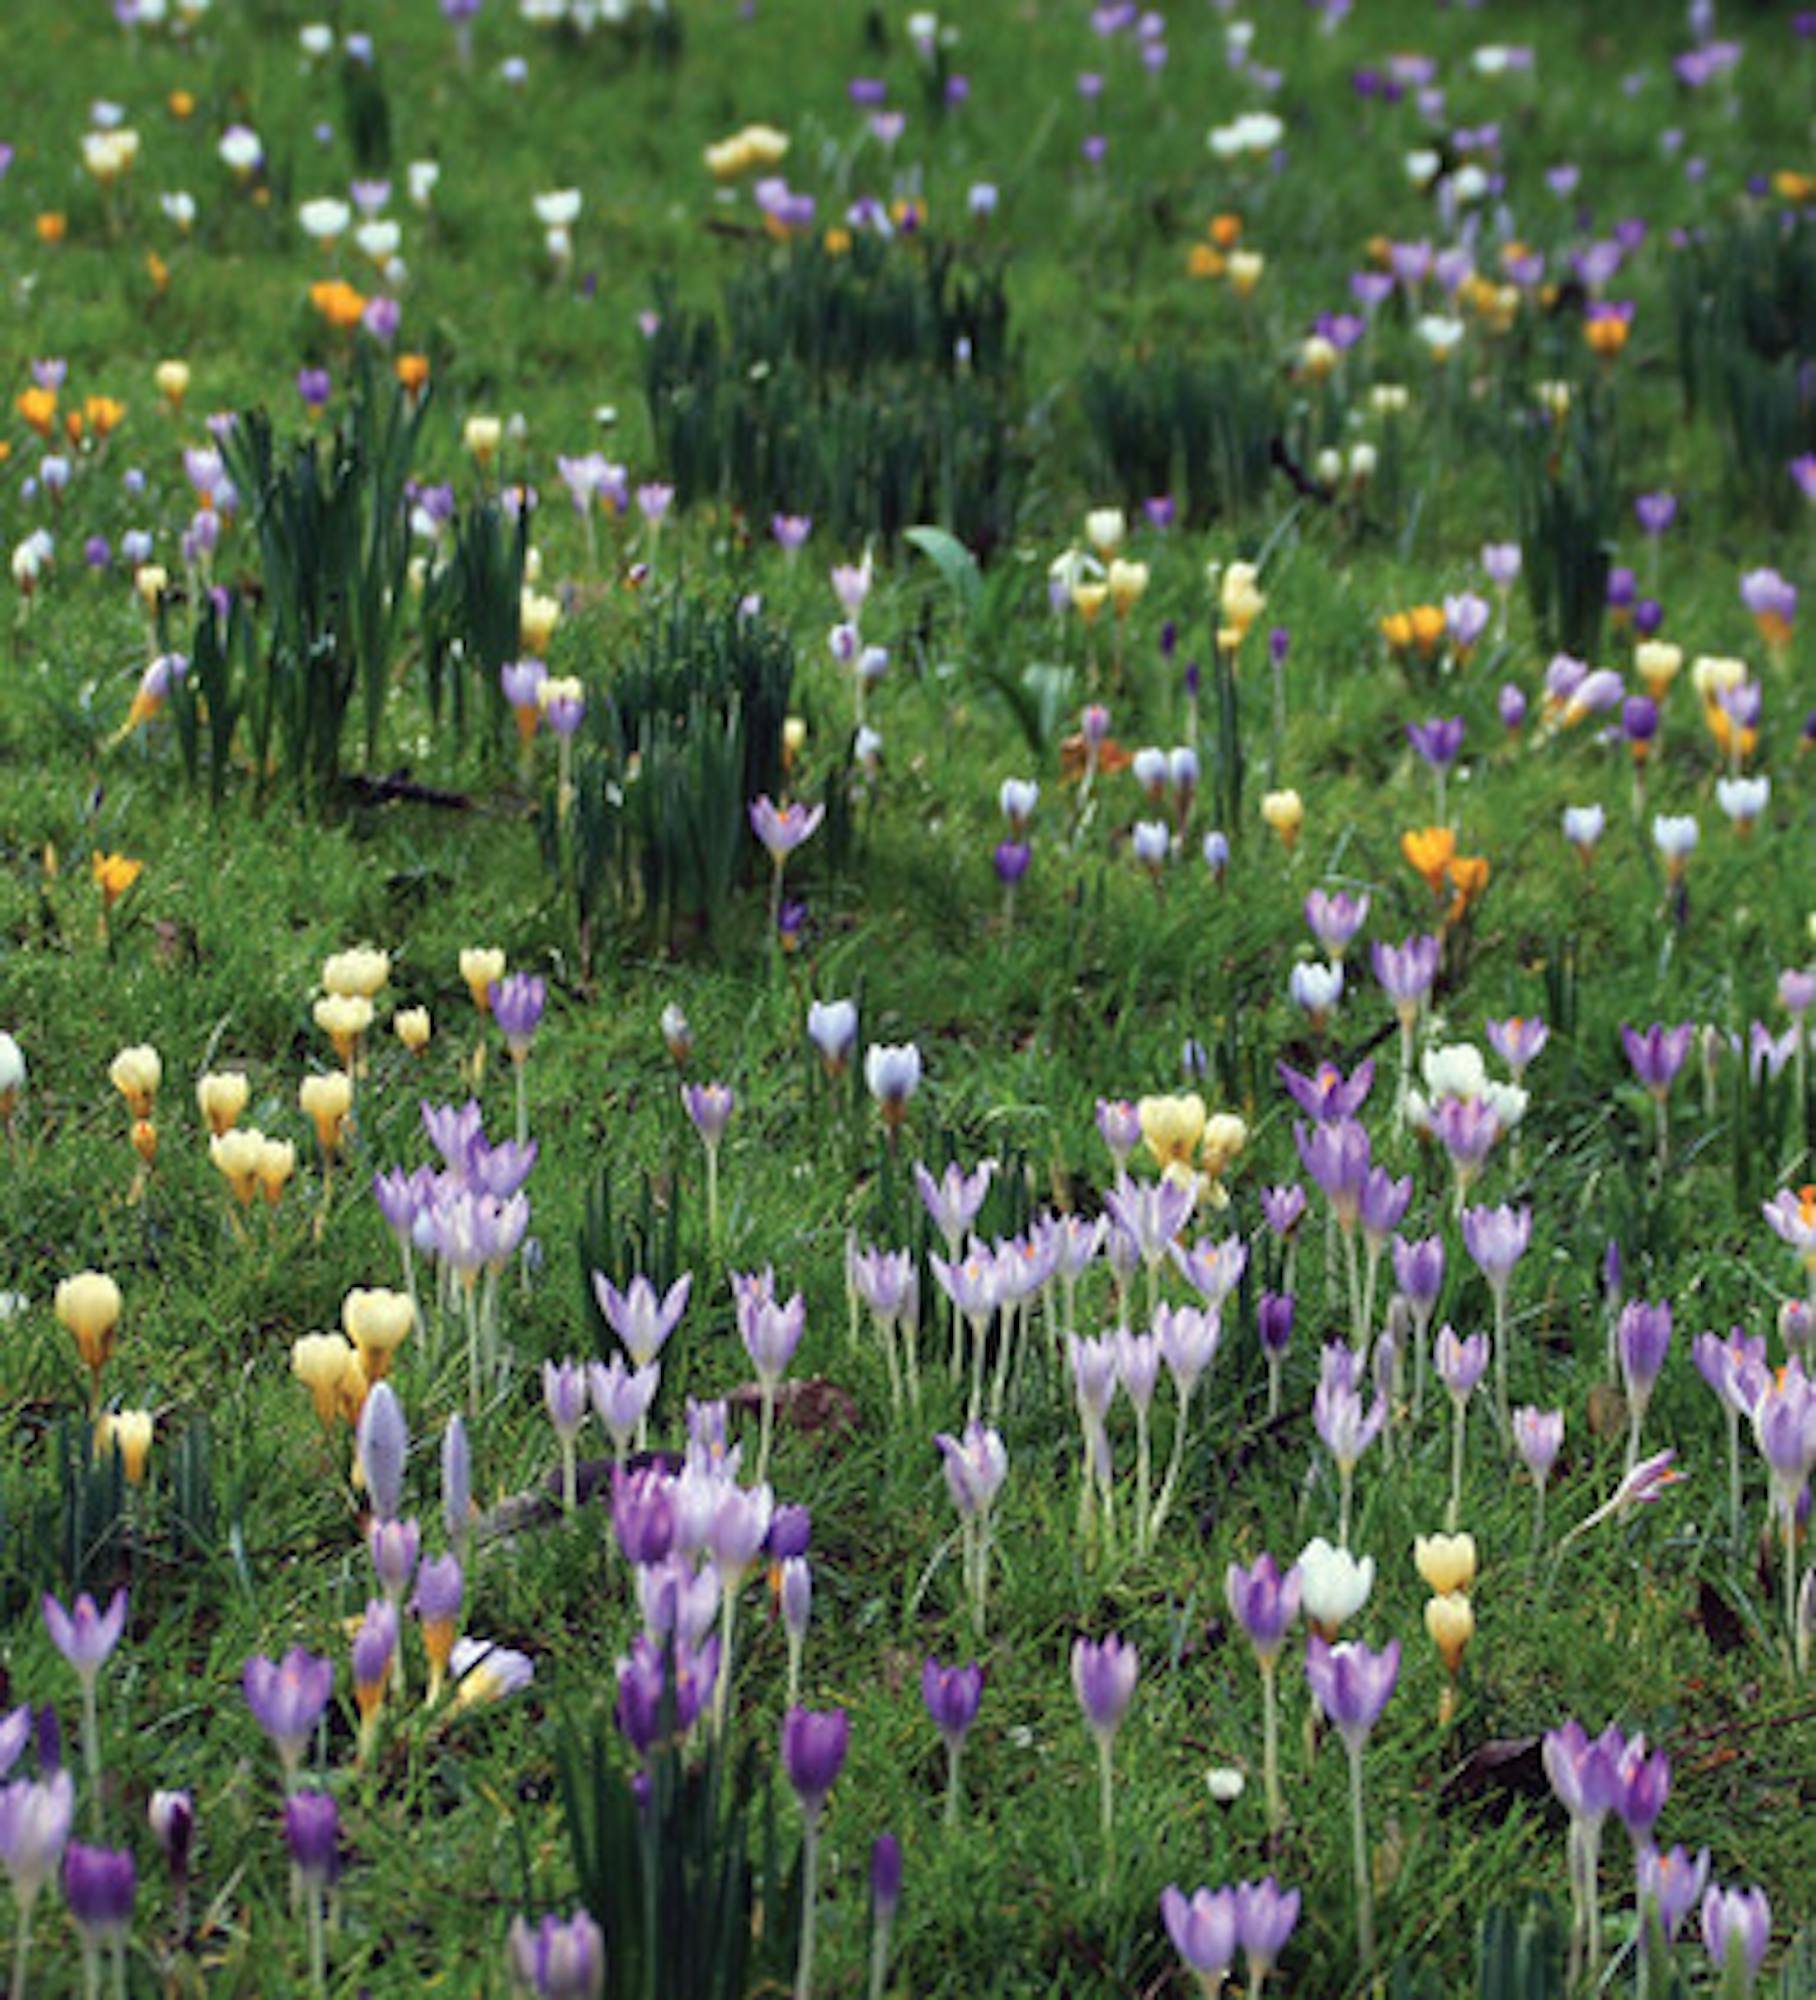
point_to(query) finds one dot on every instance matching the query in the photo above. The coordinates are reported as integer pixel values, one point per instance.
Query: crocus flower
(1585, 1775)
(893, 1075)
(35, 1821)
(312, 1832)
(952, 1696)
(1204, 1932)
(832, 1027)
(1351, 1685)
(1265, 1919)
(99, 1884)
(85, 1636)
(638, 1316)
(1670, 1886)
(287, 1701)
(813, 1754)
(561, 1959)
(1736, 1929)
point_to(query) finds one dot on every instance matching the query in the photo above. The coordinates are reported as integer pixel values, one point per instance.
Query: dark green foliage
(870, 391)
(1202, 431)
(1744, 303)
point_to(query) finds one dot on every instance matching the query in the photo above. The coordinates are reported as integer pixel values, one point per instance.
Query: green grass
(215, 956)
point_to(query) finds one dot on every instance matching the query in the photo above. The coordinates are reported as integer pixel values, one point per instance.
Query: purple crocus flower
(638, 1316)
(953, 1201)
(709, 1107)
(1496, 1238)
(1670, 1884)
(1103, 1677)
(1382, 1206)
(1274, 1321)
(1736, 1929)
(952, 1696)
(1328, 1095)
(1336, 1156)
(287, 1700)
(1203, 1930)
(517, 1004)
(558, 1960)
(1518, 1041)
(1283, 1209)
(84, 1635)
(813, 1753)
(1437, 741)
(1265, 1918)
(1263, 1602)
(1642, 1339)
(1657, 1053)
(1419, 1272)
(99, 1884)
(1655, 512)
(1460, 1364)
(315, 387)
(1642, 1785)
(1405, 972)
(1538, 1437)
(312, 1832)
(1351, 1684)
(1335, 919)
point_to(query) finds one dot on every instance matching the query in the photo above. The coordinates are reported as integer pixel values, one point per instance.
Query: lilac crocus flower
(1642, 1339)
(1460, 1364)
(1496, 1238)
(312, 1833)
(1263, 1602)
(1351, 1684)
(1736, 1930)
(1203, 1928)
(35, 1821)
(813, 1754)
(559, 1959)
(952, 1696)
(638, 1316)
(975, 1467)
(1518, 1040)
(384, 1444)
(1655, 512)
(1671, 1885)
(1437, 741)
(1103, 1678)
(1335, 919)
(1283, 1209)
(1336, 1156)
(1657, 1053)
(1328, 1095)
(1642, 1785)
(99, 1884)
(1405, 972)
(287, 1699)
(85, 1635)
(781, 829)
(953, 1201)
(517, 1004)
(1265, 1919)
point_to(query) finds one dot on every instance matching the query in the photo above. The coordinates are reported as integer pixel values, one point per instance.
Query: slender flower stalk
(1352, 1686)
(1103, 1678)
(1265, 1603)
(813, 1753)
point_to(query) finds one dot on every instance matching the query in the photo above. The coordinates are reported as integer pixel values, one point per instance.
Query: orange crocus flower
(114, 875)
(1468, 877)
(38, 407)
(1429, 851)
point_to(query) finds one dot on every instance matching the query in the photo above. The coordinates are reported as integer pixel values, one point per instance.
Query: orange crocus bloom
(52, 226)
(1201, 261)
(1427, 627)
(38, 407)
(104, 413)
(1468, 877)
(1226, 229)
(338, 303)
(182, 103)
(412, 371)
(114, 875)
(1429, 851)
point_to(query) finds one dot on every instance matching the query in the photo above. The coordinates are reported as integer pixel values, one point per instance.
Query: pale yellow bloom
(1446, 1562)
(1451, 1623)
(89, 1306)
(412, 1028)
(377, 1322)
(221, 1097)
(360, 973)
(1172, 1127)
(136, 1074)
(326, 1100)
(482, 969)
(129, 1433)
(238, 1156)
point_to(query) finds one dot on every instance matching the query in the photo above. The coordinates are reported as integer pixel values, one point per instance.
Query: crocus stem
(1538, 1522)
(472, 1313)
(569, 1483)
(1371, 1265)
(1270, 1744)
(879, 1958)
(1346, 1479)
(318, 1944)
(766, 1429)
(1454, 1511)
(1502, 1414)
(1734, 1477)
(91, 1972)
(1358, 1332)
(1106, 1800)
(1592, 1892)
(1175, 1462)
(1273, 1386)
(1365, 1895)
(22, 1950)
(955, 1751)
(117, 1961)
(523, 1103)
(728, 1620)
(712, 1199)
(1144, 1479)
(1790, 1580)
(91, 1749)
(810, 1896)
